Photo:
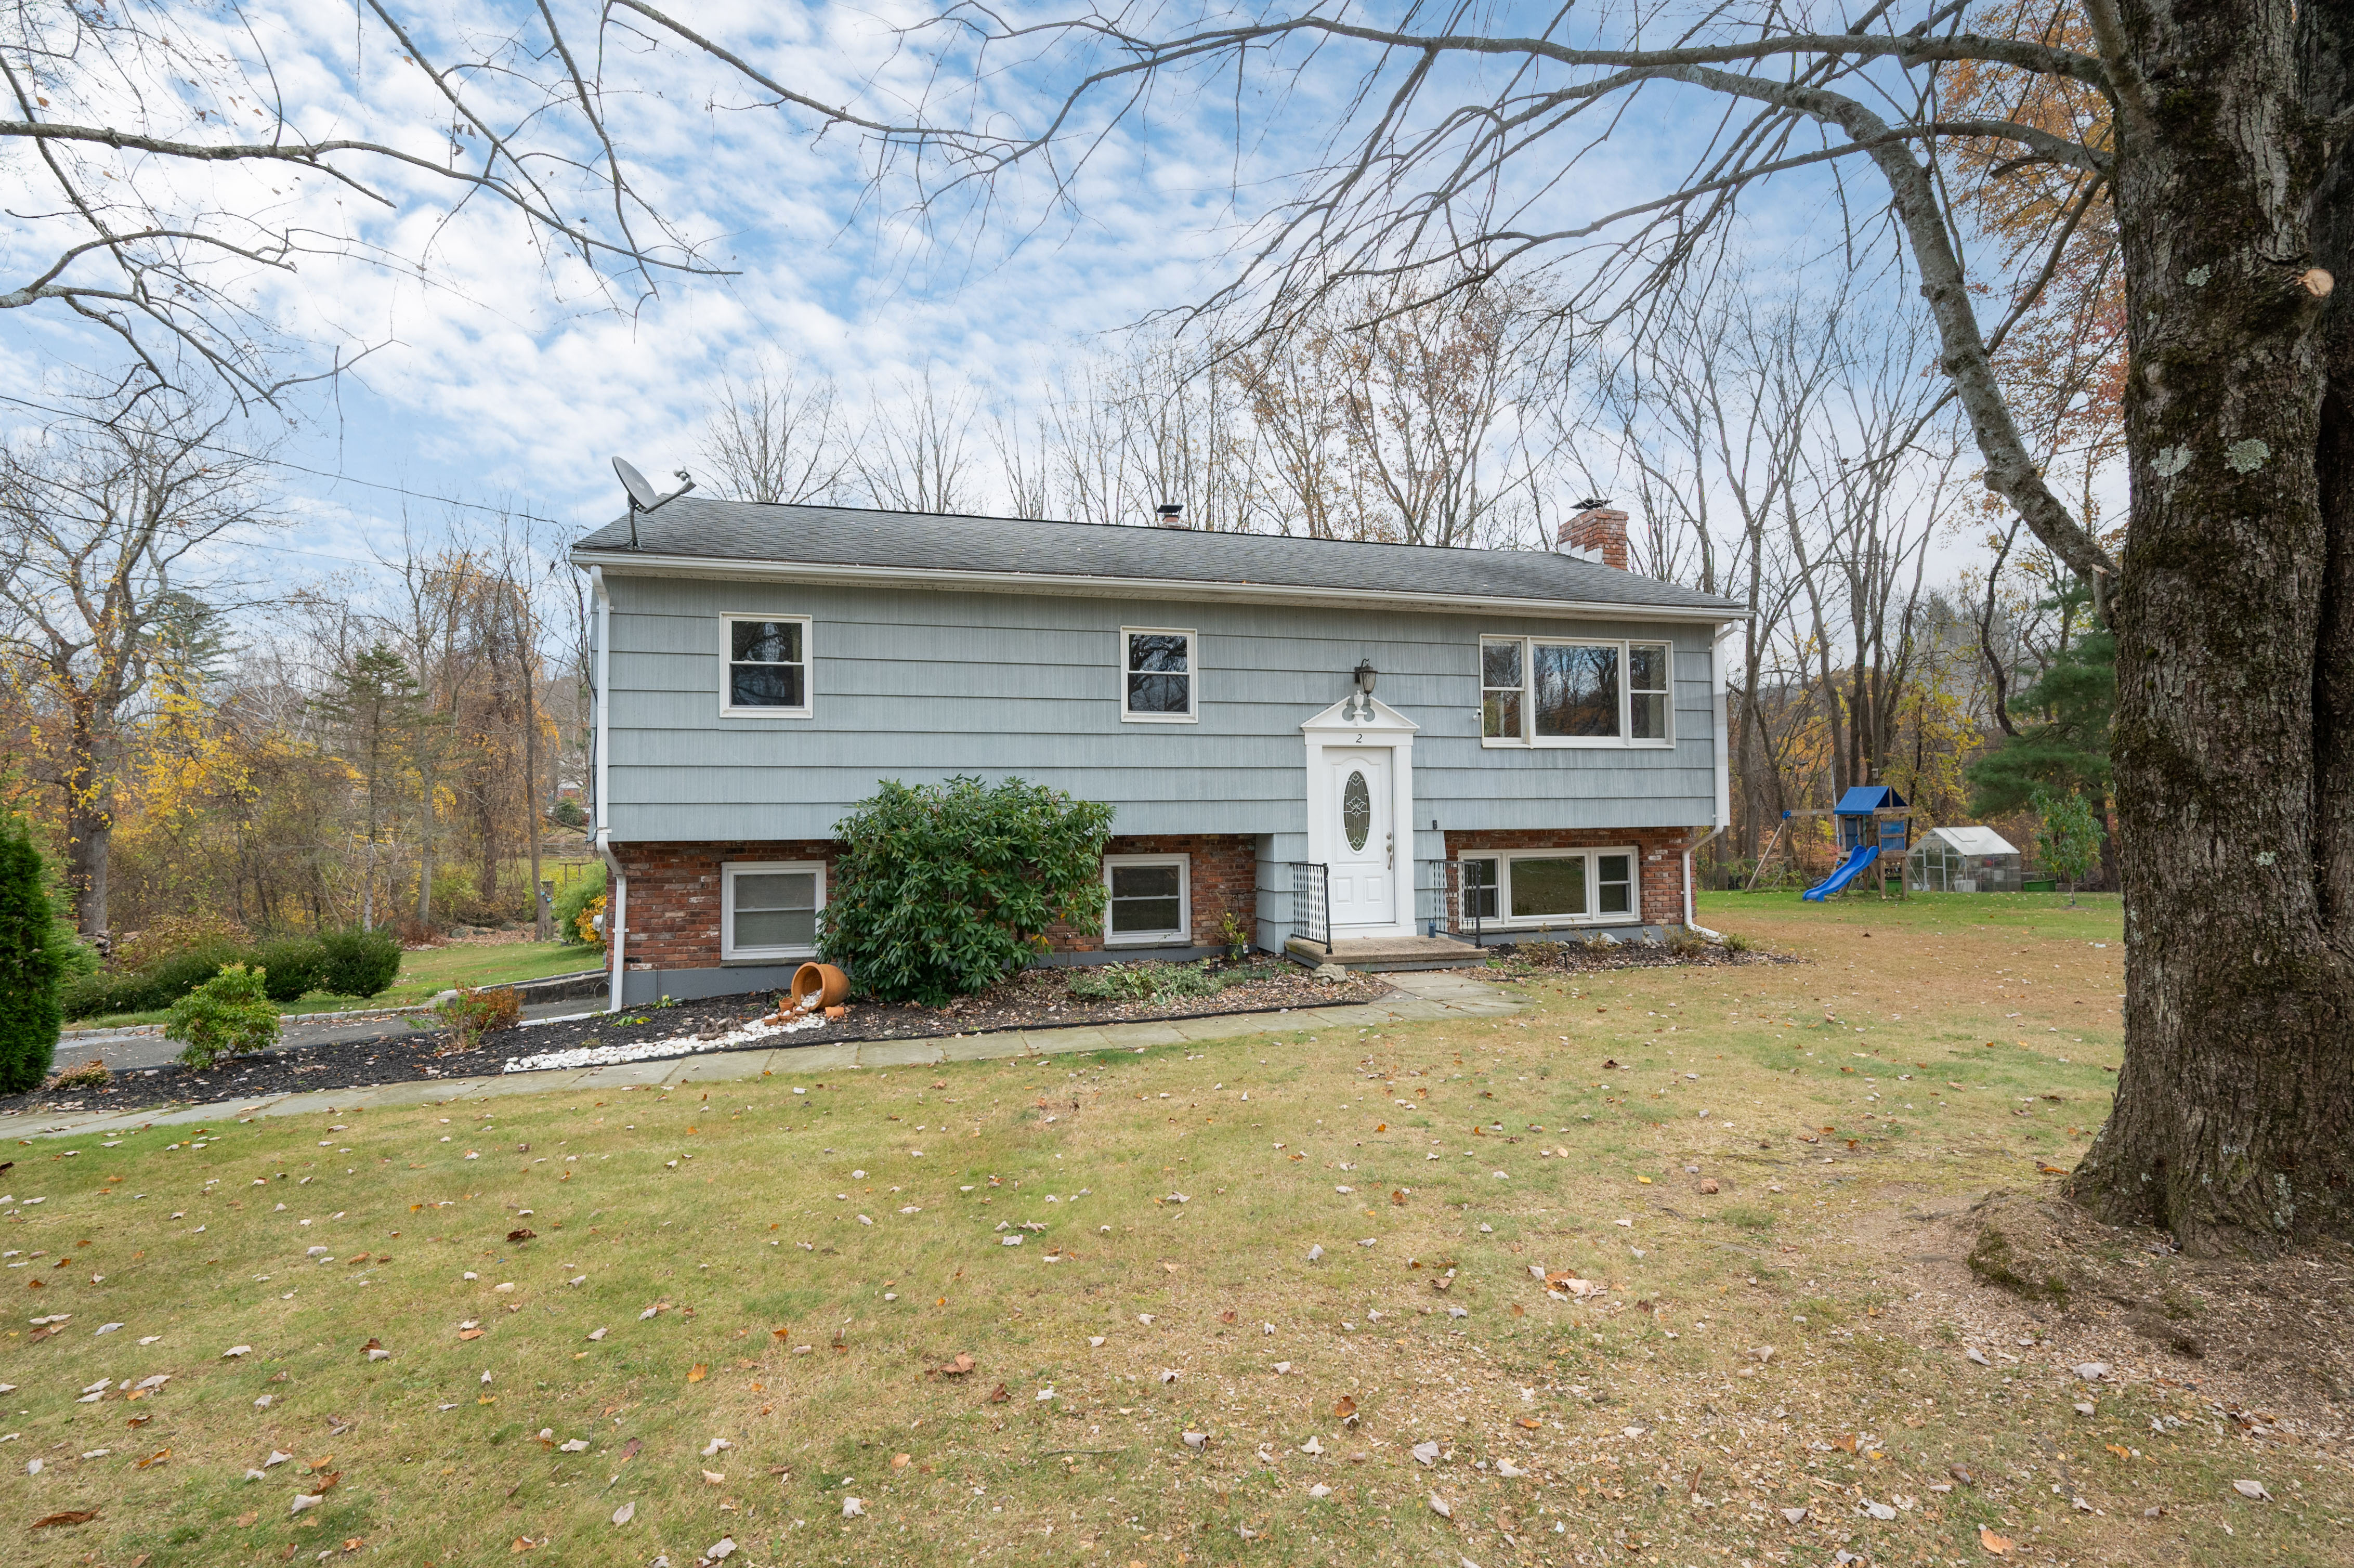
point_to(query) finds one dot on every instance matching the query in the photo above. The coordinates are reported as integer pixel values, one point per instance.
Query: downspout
(617, 881)
(1723, 740)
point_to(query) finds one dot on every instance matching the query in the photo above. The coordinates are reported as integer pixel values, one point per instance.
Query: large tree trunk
(2235, 1115)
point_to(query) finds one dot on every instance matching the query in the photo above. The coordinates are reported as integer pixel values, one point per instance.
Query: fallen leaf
(1997, 1544)
(1530, 1421)
(1427, 1452)
(900, 1461)
(998, 1395)
(157, 1458)
(72, 1516)
(1344, 1407)
(959, 1367)
(697, 1372)
(1440, 1506)
(470, 1333)
(523, 1234)
(1844, 1444)
(2254, 1489)
(246, 1520)
(714, 1478)
(626, 1513)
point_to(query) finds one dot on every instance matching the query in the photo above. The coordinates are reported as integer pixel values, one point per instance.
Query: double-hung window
(768, 671)
(1159, 676)
(769, 909)
(1559, 691)
(1534, 888)
(1150, 904)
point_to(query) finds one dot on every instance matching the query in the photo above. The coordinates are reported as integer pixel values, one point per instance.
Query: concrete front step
(1386, 954)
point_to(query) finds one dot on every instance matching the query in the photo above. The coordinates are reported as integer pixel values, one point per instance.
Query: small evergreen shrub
(947, 889)
(295, 964)
(29, 963)
(569, 813)
(228, 1015)
(358, 963)
(576, 904)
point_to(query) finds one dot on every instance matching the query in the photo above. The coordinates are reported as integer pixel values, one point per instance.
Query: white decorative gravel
(648, 1050)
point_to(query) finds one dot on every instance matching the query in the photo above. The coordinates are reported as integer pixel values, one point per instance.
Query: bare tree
(778, 437)
(107, 525)
(916, 452)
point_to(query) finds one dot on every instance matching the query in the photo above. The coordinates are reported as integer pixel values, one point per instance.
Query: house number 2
(1360, 740)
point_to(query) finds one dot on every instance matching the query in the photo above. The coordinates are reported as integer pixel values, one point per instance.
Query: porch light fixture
(1366, 675)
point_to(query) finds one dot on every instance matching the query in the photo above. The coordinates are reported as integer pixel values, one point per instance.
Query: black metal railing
(1311, 902)
(1459, 896)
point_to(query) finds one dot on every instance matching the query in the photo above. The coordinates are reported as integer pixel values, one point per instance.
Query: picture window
(1535, 887)
(1547, 691)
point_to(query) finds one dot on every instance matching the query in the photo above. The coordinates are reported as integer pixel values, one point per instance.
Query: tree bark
(2234, 1118)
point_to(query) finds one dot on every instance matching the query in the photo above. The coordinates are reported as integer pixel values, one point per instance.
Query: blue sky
(498, 380)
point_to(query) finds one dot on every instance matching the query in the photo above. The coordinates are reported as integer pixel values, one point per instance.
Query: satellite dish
(641, 494)
(642, 497)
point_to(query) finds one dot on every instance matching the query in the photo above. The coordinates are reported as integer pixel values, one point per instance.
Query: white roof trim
(632, 563)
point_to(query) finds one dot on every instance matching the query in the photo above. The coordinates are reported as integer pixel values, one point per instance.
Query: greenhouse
(1963, 859)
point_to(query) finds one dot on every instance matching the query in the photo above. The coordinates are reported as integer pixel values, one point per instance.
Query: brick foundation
(673, 897)
(674, 890)
(1660, 852)
(1222, 873)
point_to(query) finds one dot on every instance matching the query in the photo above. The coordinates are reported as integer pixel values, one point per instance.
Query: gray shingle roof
(693, 526)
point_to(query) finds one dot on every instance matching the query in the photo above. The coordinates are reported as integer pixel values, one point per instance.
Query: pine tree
(30, 964)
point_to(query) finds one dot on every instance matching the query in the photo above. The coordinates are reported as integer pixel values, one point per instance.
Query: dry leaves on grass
(71, 1516)
(962, 1364)
(697, 1372)
(1999, 1545)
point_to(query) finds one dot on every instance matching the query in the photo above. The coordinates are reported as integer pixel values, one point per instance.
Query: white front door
(1364, 884)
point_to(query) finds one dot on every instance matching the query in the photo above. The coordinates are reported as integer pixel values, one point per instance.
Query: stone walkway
(1429, 995)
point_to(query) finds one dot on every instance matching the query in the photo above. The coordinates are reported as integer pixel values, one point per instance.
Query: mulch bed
(1036, 999)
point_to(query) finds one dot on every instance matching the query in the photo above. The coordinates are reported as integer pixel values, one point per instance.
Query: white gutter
(1134, 588)
(617, 885)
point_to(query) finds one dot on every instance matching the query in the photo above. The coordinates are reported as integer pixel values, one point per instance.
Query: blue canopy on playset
(1866, 799)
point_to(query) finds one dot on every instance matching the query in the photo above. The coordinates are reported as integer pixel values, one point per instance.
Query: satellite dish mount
(642, 494)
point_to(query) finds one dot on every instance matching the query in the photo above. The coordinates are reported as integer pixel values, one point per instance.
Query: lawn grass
(423, 975)
(782, 1265)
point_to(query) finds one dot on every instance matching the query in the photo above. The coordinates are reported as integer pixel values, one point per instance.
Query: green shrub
(228, 1015)
(295, 964)
(358, 963)
(147, 989)
(946, 888)
(1147, 982)
(569, 813)
(574, 896)
(29, 963)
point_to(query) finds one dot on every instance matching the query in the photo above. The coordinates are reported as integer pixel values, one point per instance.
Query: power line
(317, 473)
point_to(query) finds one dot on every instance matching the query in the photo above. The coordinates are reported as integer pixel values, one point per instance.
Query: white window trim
(1193, 714)
(728, 708)
(1529, 740)
(1183, 937)
(1504, 918)
(728, 872)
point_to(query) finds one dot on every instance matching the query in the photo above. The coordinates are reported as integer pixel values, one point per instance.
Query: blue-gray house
(1318, 739)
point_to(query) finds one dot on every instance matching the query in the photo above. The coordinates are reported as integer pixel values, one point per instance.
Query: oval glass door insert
(1356, 811)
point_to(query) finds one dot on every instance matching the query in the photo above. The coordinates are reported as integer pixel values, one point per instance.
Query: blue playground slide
(1859, 860)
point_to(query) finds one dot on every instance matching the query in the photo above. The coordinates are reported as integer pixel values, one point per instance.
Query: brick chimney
(1171, 515)
(1598, 532)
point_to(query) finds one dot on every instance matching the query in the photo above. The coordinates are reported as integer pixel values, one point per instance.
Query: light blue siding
(920, 685)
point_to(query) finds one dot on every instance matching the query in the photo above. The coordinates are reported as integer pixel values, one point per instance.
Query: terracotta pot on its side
(818, 985)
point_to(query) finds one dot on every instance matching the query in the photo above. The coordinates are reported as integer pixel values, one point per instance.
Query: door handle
(1389, 851)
